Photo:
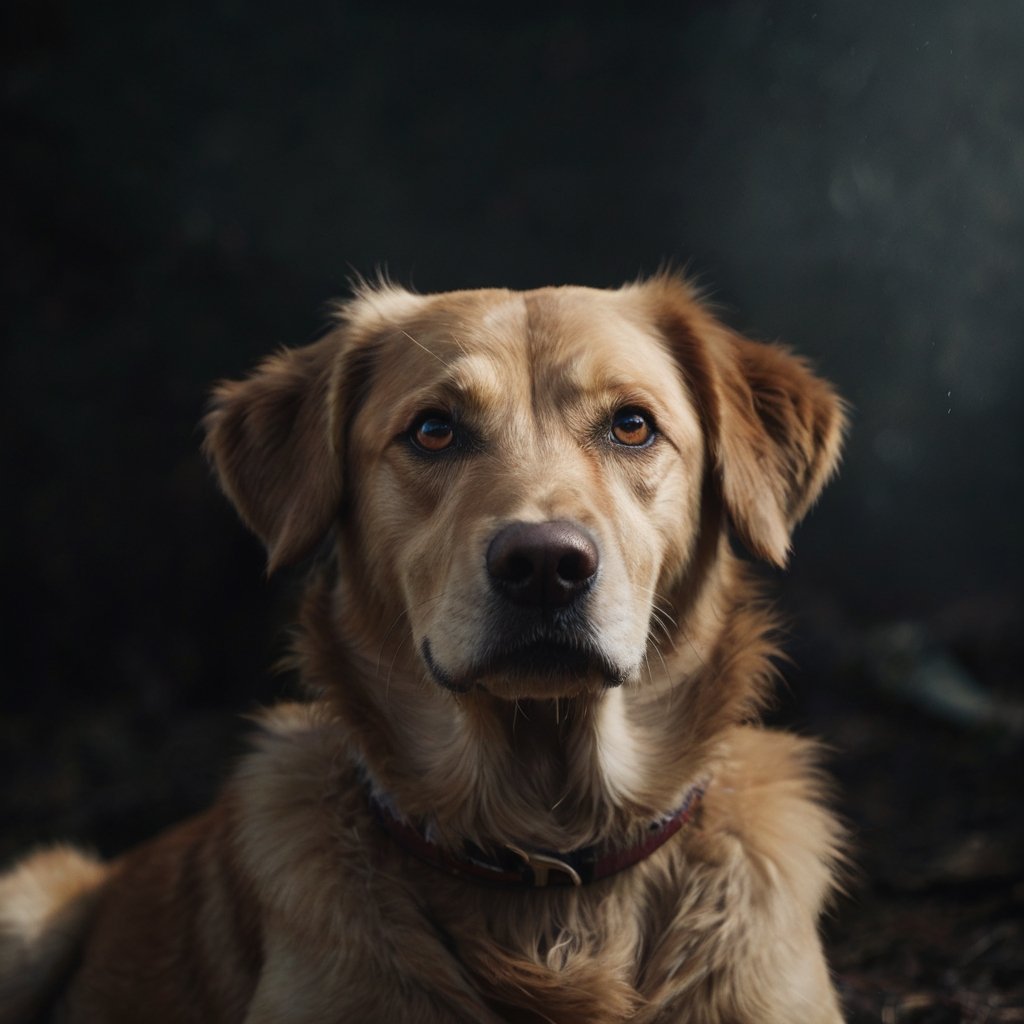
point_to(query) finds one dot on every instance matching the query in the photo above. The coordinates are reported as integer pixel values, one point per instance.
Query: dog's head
(516, 480)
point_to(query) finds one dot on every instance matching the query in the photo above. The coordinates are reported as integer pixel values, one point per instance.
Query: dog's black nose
(542, 565)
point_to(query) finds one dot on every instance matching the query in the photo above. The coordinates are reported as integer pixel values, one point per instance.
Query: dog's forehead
(498, 341)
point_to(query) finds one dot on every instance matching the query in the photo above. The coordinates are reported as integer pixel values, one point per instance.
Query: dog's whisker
(405, 639)
(667, 609)
(693, 647)
(425, 349)
(669, 688)
(666, 614)
(387, 634)
(391, 667)
(647, 665)
(458, 344)
(660, 622)
(658, 599)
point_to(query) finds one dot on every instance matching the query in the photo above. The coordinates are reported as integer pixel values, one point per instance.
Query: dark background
(187, 184)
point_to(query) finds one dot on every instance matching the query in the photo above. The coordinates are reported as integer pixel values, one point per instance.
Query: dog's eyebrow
(567, 387)
(450, 391)
(461, 394)
(474, 381)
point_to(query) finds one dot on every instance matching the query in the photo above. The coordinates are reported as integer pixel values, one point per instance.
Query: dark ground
(187, 184)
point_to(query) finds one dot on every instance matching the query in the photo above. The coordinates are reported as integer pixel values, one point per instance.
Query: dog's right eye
(432, 431)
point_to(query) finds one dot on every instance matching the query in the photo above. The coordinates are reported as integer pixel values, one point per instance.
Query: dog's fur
(287, 901)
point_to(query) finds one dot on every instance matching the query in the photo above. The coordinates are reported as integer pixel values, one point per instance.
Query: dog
(530, 783)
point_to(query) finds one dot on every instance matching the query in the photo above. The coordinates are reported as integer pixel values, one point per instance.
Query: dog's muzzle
(536, 626)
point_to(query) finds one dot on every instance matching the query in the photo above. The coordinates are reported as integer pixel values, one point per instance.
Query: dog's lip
(440, 675)
(545, 657)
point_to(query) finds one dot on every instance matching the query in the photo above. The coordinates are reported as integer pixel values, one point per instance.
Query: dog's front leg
(300, 986)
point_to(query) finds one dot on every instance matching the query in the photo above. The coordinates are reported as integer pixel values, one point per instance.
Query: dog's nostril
(517, 569)
(542, 564)
(578, 565)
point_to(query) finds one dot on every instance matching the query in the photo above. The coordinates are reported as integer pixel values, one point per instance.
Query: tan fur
(45, 906)
(287, 901)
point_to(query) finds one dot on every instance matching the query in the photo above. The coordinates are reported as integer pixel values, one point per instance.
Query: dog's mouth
(541, 666)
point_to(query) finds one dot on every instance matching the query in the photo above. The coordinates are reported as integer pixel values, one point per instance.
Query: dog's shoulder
(747, 887)
(191, 920)
(768, 806)
(299, 806)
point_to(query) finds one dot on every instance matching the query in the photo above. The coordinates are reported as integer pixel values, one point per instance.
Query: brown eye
(433, 432)
(632, 427)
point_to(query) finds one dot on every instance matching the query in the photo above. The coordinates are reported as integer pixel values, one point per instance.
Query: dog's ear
(780, 433)
(271, 440)
(774, 428)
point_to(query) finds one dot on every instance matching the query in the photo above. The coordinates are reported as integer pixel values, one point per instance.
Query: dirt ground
(932, 926)
(925, 726)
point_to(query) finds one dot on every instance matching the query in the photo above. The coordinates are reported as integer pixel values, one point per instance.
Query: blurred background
(185, 187)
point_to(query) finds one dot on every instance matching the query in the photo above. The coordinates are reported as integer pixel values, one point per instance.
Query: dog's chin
(542, 670)
(545, 683)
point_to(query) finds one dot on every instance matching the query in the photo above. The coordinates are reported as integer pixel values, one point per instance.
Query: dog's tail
(46, 905)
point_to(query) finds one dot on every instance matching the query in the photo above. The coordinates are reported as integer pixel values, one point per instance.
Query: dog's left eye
(432, 431)
(632, 427)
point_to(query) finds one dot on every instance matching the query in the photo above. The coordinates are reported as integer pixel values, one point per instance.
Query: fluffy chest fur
(680, 937)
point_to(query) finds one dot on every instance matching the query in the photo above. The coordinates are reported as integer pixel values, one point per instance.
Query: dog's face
(529, 471)
(518, 477)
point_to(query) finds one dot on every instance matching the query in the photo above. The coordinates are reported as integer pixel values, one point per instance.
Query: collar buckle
(542, 865)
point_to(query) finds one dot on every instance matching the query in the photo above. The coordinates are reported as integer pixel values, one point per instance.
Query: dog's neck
(558, 774)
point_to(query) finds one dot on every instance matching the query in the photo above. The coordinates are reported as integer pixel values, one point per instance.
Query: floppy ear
(270, 439)
(780, 433)
(774, 428)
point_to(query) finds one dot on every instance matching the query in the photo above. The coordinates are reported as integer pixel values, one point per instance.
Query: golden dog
(530, 785)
